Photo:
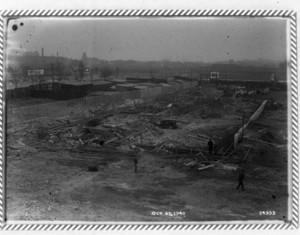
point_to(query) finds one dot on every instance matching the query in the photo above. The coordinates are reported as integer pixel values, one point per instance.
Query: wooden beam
(247, 154)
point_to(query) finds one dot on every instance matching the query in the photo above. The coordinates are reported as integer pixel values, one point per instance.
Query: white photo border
(291, 224)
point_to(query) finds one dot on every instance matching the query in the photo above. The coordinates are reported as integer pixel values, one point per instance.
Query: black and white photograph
(147, 119)
(160, 117)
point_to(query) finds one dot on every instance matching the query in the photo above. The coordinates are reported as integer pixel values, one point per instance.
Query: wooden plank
(228, 148)
(263, 142)
(192, 163)
(247, 154)
(205, 167)
(234, 151)
(200, 153)
(111, 140)
(160, 147)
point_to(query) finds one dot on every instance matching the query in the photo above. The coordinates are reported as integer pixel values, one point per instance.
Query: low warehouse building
(101, 86)
(60, 91)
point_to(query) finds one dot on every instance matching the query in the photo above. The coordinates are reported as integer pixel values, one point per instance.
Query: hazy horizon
(204, 40)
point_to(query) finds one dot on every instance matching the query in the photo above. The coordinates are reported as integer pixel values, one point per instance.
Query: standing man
(135, 164)
(210, 146)
(241, 180)
(138, 156)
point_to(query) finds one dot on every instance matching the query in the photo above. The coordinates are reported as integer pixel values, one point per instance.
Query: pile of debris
(273, 105)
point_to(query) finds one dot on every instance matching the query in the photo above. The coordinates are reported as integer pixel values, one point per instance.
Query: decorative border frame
(294, 166)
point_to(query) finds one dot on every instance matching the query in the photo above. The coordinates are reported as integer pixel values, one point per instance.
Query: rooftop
(77, 83)
(101, 82)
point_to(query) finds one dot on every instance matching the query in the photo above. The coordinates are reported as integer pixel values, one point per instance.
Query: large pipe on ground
(254, 116)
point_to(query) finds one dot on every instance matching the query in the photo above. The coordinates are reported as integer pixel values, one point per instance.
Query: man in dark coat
(210, 146)
(241, 180)
(135, 164)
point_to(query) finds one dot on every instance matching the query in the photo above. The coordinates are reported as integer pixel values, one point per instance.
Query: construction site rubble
(207, 135)
(180, 123)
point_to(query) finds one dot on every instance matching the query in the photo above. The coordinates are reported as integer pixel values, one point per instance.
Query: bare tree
(84, 58)
(60, 68)
(106, 72)
(74, 69)
(93, 72)
(75, 73)
(81, 70)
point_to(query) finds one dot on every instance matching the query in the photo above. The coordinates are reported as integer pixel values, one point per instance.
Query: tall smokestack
(42, 52)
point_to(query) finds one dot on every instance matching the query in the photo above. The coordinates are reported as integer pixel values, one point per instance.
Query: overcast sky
(181, 39)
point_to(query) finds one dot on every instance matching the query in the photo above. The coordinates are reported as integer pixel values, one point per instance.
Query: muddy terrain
(83, 167)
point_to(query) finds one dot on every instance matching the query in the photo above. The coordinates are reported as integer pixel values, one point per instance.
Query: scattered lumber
(132, 134)
(192, 163)
(12, 147)
(200, 153)
(220, 150)
(203, 137)
(111, 140)
(264, 142)
(226, 151)
(205, 167)
(196, 137)
(246, 154)
(158, 149)
(163, 112)
(56, 128)
(234, 151)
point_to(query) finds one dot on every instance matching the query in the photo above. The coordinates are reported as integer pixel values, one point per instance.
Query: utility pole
(52, 68)
(243, 123)
(191, 79)
(117, 72)
(57, 63)
(200, 79)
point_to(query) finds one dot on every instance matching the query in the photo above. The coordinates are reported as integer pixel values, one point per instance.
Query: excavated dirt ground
(55, 185)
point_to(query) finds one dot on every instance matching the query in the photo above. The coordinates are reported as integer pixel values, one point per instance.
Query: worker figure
(135, 165)
(139, 155)
(241, 180)
(210, 146)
